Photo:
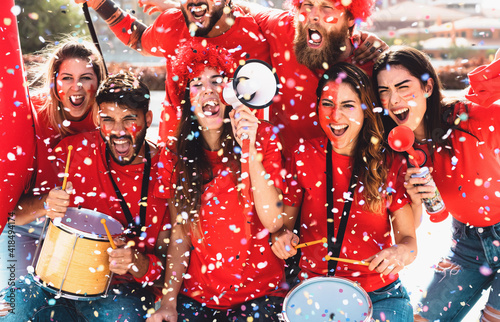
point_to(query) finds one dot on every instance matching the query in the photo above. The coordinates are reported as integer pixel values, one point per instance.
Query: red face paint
(325, 113)
(133, 129)
(105, 130)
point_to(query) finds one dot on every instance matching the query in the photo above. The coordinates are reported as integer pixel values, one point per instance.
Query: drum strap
(134, 227)
(335, 243)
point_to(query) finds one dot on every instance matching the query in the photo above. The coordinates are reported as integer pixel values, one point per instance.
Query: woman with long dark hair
(461, 141)
(351, 171)
(219, 262)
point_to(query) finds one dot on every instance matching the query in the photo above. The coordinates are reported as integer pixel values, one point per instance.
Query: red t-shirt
(233, 262)
(294, 110)
(469, 178)
(366, 234)
(94, 190)
(47, 137)
(244, 39)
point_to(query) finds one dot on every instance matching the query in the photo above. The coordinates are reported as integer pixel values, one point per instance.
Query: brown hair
(369, 157)
(70, 48)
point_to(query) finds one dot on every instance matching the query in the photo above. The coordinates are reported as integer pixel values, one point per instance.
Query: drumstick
(346, 260)
(66, 170)
(103, 222)
(319, 241)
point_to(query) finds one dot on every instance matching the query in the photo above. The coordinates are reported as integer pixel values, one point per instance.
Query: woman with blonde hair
(63, 104)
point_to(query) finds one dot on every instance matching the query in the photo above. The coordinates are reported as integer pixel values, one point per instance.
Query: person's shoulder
(90, 140)
(171, 17)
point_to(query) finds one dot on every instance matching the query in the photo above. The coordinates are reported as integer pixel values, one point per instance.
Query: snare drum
(327, 299)
(73, 261)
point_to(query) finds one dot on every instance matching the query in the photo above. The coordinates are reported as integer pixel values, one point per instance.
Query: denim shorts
(475, 254)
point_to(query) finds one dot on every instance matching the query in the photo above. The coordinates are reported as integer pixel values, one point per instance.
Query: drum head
(327, 299)
(87, 223)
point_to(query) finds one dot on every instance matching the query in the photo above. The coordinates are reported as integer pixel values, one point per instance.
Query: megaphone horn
(254, 85)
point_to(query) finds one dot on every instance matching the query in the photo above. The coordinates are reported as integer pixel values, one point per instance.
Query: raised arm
(152, 6)
(177, 263)
(267, 197)
(121, 23)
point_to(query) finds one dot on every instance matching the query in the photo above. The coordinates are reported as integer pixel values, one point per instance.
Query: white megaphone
(254, 84)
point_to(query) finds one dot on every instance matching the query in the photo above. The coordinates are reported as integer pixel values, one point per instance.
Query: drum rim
(66, 294)
(87, 235)
(316, 278)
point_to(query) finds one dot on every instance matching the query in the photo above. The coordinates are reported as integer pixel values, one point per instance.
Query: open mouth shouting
(122, 147)
(76, 100)
(211, 108)
(198, 10)
(401, 114)
(339, 129)
(314, 38)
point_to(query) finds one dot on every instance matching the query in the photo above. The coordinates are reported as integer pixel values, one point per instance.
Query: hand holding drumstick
(57, 200)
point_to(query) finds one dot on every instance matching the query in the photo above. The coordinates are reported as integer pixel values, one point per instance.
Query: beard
(332, 48)
(136, 145)
(215, 15)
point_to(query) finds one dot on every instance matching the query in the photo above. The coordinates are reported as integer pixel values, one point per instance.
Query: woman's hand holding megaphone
(245, 124)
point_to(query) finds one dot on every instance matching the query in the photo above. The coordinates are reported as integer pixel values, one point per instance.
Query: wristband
(155, 270)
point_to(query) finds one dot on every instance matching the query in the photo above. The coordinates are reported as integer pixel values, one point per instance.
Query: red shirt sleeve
(395, 183)
(164, 188)
(269, 144)
(294, 193)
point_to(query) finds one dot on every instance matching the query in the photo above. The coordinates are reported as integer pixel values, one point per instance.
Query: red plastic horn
(401, 139)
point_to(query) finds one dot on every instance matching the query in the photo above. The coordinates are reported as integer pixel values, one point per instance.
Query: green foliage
(42, 21)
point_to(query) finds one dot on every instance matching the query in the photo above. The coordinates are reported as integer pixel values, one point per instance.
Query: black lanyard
(335, 247)
(134, 228)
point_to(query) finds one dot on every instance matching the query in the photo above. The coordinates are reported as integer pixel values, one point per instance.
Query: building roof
(444, 43)
(411, 11)
(467, 23)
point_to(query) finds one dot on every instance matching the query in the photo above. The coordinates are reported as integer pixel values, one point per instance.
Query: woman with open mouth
(461, 141)
(64, 104)
(219, 262)
(351, 171)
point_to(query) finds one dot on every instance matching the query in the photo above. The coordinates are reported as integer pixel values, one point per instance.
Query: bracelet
(155, 270)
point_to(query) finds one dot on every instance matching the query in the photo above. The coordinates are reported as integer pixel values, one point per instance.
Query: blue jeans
(125, 302)
(264, 308)
(391, 303)
(475, 256)
(22, 241)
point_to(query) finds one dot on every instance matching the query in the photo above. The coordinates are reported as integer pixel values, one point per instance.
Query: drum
(327, 299)
(73, 261)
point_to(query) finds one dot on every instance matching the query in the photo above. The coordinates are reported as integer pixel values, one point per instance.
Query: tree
(42, 21)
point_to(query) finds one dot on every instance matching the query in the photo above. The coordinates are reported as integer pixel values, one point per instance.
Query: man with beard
(109, 171)
(305, 41)
(205, 21)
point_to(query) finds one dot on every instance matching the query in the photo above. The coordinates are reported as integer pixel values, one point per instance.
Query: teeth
(401, 111)
(75, 97)
(120, 141)
(210, 103)
(338, 127)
